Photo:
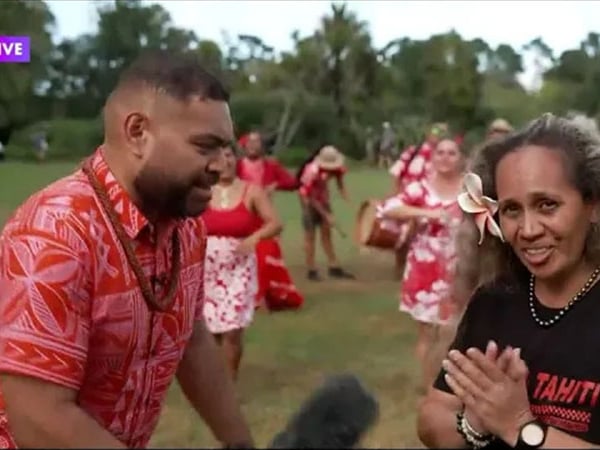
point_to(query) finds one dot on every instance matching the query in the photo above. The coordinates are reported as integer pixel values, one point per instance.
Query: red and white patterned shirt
(72, 312)
(313, 182)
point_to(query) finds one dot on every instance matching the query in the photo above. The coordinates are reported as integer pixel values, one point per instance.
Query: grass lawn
(345, 326)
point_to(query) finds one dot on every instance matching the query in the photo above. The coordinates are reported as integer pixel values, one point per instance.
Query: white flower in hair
(585, 123)
(483, 208)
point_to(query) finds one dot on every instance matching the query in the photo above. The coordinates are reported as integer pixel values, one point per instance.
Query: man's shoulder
(309, 172)
(312, 167)
(63, 202)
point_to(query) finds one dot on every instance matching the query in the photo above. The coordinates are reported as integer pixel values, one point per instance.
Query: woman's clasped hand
(492, 387)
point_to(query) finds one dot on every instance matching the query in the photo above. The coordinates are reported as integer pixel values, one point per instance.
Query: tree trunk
(283, 123)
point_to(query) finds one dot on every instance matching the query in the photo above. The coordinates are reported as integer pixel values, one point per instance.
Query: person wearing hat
(326, 163)
(498, 129)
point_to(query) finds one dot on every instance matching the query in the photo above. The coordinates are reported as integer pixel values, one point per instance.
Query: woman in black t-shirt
(524, 369)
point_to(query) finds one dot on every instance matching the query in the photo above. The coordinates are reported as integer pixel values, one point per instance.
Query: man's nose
(217, 162)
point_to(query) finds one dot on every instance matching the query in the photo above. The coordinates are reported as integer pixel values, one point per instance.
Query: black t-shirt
(563, 360)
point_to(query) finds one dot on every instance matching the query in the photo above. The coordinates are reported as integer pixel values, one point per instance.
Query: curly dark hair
(579, 146)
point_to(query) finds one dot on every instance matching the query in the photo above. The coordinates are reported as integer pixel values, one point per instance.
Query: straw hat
(500, 125)
(439, 128)
(329, 158)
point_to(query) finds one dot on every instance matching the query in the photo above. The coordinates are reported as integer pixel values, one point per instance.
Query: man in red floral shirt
(101, 275)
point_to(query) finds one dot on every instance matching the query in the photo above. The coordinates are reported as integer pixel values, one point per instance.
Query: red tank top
(236, 222)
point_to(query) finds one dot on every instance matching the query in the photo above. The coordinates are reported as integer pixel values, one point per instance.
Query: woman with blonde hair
(427, 280)
(523, 370)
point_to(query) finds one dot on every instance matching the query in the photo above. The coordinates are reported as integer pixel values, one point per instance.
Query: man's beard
(254, 154)
(159, 197)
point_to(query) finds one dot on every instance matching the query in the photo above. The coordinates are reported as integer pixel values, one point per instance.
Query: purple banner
(14, 49)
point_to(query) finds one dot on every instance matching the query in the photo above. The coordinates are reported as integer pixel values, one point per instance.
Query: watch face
(532, 434)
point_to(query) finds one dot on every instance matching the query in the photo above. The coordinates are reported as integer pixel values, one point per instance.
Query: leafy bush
(292, 157)
(253, 110)
(68, 139)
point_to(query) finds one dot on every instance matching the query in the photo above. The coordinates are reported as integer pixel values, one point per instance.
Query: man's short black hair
(177, 75)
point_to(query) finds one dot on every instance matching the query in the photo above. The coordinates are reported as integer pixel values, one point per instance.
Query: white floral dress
(230, 279)
(425, 292)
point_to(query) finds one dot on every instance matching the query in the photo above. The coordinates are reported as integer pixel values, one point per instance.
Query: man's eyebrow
(210, 139)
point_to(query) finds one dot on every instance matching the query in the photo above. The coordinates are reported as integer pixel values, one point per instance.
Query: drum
(374, 231)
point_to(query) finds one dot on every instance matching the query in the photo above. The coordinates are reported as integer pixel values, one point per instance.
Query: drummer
(425, 293)
(415, 161)
(313, 176)
(414, 164)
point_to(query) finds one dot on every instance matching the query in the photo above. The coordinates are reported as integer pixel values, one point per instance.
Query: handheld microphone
(336, 415)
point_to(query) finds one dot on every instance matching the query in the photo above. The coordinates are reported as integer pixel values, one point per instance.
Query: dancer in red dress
(230, 275)
(425, 293)
(414, 163)
(276, 287)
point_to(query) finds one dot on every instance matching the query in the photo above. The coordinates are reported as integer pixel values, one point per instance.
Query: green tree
(19, 82)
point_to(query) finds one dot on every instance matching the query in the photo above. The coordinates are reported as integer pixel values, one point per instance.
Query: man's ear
(135, 129)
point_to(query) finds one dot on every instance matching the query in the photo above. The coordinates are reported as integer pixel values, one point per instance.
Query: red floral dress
(405, 170)
(313, 182)
(230, 279)
(425, 293)
(276, 289)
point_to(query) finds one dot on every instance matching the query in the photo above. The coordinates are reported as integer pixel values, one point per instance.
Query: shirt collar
(131, 217)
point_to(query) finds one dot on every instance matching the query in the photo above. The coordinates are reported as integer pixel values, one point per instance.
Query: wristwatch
(532, 434)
